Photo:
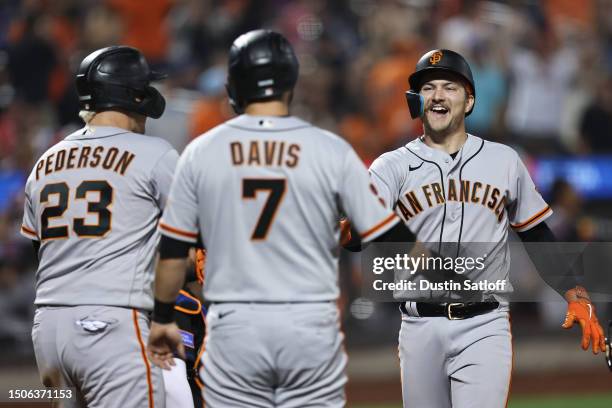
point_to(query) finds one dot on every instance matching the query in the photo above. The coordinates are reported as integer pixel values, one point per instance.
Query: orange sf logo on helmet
(435, 57)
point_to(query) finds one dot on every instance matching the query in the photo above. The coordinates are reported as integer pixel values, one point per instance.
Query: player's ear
(469, 103)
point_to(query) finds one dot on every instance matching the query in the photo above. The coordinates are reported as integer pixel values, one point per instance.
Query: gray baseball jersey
(471, 199)
(93, 201)
(266, 194)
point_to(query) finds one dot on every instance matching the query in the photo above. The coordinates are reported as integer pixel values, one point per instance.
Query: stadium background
(543, 72)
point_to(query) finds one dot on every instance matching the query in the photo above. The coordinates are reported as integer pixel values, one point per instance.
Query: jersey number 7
(276, 189)
(79, 226)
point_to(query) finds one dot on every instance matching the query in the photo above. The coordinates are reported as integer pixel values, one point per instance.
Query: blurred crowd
(543, 73)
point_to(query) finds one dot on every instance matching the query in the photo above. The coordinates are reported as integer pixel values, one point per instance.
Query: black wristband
(163, 312)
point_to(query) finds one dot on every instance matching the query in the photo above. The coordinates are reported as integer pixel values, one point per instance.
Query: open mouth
(439, 111)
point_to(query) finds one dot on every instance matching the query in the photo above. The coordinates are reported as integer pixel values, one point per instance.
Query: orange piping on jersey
(201, 387)
(144, 357)
(182, 309)
(202, 349)
(511, 361)
(378, 226)
(177, 231)
(198, 358)
(28, 231)
(532, 219)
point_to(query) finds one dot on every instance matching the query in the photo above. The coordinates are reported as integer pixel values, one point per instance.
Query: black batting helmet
(262, 65)
(442, 60)
(119, 77)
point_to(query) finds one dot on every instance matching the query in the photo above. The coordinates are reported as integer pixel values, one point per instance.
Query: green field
(584, 401)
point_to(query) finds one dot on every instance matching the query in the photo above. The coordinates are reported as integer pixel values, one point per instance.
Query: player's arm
(550, 263)
(366, 199)
(170, 275)
(165, 339)
(359, 200)
(527, 213)
(161, 176)
(179, 232)
(400, 233)
(549, 259)
(28, 224)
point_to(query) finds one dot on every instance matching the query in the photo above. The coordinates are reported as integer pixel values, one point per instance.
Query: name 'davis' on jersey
(85, 156)
(265, 153)
(468, 192)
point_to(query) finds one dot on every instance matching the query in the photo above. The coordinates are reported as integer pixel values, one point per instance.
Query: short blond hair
(87, 116)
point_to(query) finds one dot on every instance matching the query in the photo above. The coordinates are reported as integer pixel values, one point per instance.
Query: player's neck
(268, 108)
(449, 143)
(119, 120)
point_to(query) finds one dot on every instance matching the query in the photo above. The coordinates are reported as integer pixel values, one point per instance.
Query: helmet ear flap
(415, 104)
(83, 87)
(153, 104)
(233, 99)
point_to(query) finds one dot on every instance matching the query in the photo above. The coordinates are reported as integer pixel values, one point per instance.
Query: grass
(583, 401)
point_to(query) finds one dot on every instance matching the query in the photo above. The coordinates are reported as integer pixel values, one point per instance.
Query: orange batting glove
(345, 232)
(581, 310)
(200, 262)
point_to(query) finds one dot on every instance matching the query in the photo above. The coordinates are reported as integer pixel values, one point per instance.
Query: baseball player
(92, 204)
(453, 187)
(264, 191)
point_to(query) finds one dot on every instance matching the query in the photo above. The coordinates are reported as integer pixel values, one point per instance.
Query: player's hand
(581, 310)
(164, 341)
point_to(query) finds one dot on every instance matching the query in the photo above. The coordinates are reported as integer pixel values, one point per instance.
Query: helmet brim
(416, 79)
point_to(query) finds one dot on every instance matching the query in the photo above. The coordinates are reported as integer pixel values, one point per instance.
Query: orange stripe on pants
(144, 357)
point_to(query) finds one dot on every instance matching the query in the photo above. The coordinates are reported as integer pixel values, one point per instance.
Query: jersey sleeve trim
(178, 233)
(28, 233)
(367, 234)
(534, 220)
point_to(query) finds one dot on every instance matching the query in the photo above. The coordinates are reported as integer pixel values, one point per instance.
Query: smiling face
(446, 101)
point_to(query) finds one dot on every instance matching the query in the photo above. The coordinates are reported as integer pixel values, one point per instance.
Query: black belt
(452, 311)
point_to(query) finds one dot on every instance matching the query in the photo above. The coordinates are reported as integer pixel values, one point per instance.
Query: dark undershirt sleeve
(170, 248)
(398, 233)
(36, 246)
(549, 260)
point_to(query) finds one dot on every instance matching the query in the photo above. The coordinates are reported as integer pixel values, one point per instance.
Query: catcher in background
(183, 388)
